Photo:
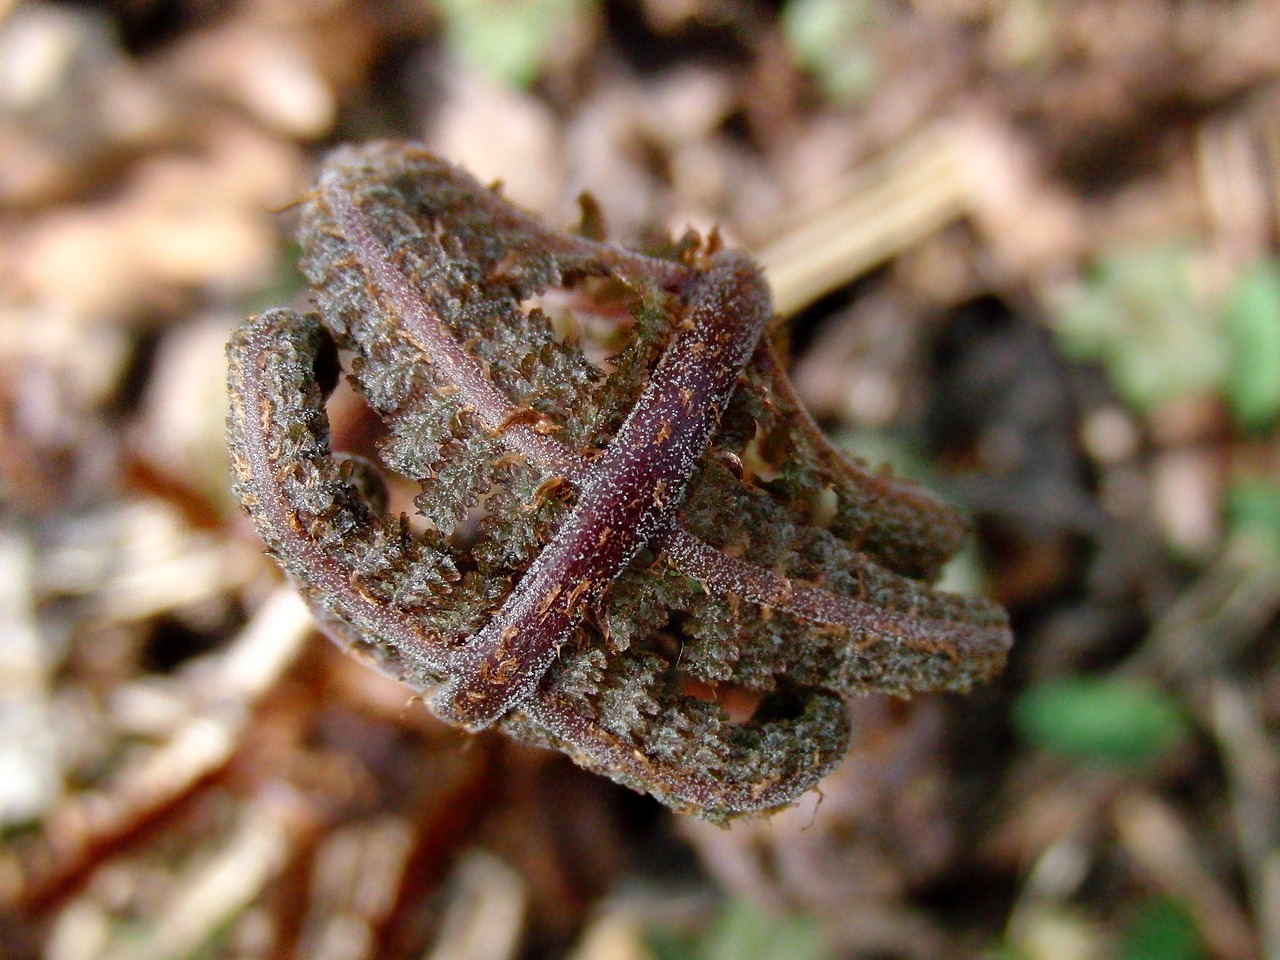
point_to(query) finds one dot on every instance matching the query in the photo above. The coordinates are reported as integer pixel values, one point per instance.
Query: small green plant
(1109, 721)
(1253, 515)
(835, 40)
(1253, 328)
(1162, 929)
(741, 931)
(509, 40)
(1141, 316)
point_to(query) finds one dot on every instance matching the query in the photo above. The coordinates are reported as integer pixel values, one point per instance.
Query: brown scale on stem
(625, 563)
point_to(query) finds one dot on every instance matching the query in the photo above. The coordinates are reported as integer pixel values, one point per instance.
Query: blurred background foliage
(1027, 252)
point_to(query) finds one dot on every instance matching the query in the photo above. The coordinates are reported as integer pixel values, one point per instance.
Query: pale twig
(880, 210)
(1161, 845)
(211, 893)
(228, 685)
(1253, 778)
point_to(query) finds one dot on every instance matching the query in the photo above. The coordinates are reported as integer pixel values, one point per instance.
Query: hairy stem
(628, 495)
(279, 436)
(503, 663)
